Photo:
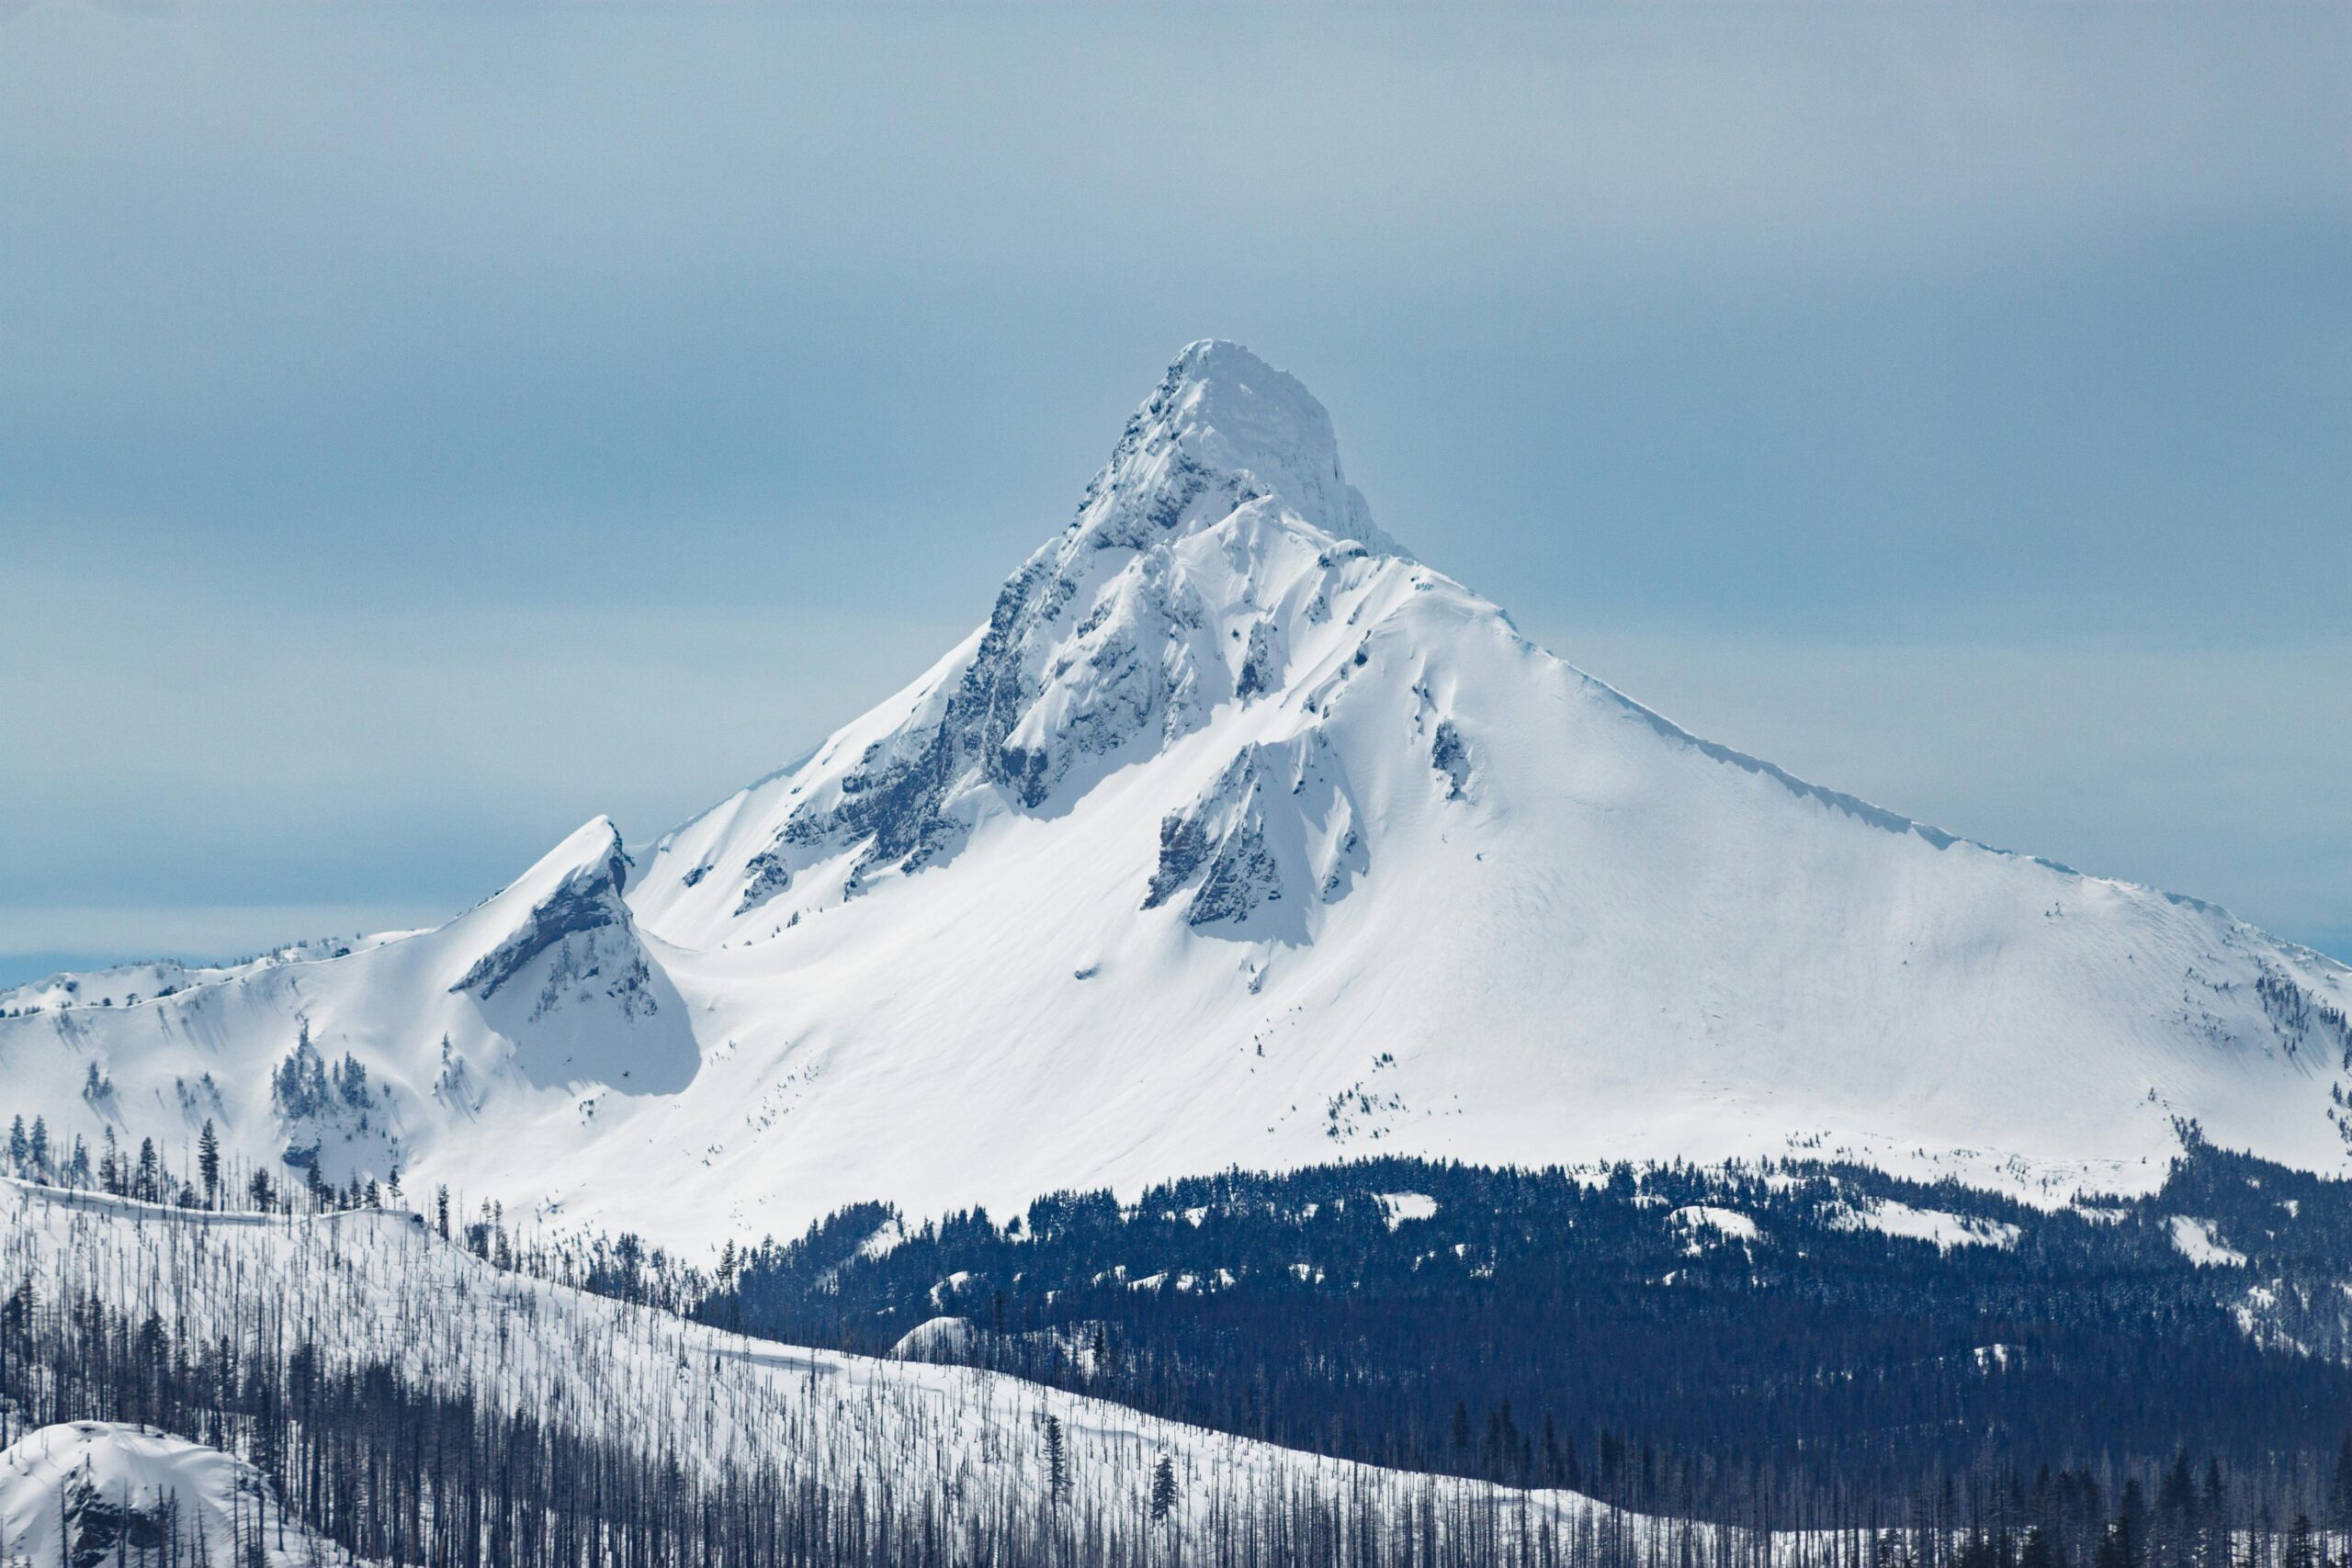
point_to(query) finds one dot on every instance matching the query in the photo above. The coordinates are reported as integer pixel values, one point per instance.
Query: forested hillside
(1798, 1344)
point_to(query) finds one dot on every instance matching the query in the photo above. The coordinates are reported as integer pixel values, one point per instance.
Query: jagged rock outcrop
(1277, 826)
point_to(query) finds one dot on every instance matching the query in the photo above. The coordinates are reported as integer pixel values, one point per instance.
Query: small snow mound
(935, 1339)
(101, 1492)
(2200, 1242)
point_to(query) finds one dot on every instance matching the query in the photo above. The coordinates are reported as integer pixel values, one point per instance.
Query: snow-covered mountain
(1234, 835)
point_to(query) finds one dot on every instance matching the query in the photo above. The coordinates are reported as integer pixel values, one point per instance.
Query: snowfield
(1234, 836)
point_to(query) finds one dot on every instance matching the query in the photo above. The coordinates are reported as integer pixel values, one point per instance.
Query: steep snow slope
(1236, 834)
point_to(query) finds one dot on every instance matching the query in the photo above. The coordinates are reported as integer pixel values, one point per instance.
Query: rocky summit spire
(1223, 430)
(1116, 635)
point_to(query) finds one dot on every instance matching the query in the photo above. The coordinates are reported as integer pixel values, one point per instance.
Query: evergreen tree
(208, 1162)
(1056, 1460)
(2171, 1538)
(2215, 1517)
(1163, 1488)
(40, 1149)
(20, 1147)
(2303, 1552)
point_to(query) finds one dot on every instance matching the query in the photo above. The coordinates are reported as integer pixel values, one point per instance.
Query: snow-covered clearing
(1399, 1207)
(1726, 1222)
(1945, 1231)
(2200, 1242)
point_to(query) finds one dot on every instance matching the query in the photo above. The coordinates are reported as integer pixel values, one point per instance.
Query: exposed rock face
(1450, 755)
(1261, 668)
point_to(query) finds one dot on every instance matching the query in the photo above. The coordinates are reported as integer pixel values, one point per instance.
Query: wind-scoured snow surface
(367, 1286)
(1236, 835)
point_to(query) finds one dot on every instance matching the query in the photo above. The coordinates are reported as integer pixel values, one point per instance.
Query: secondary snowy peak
(555, 965)
(574, 890)
(1223, 429)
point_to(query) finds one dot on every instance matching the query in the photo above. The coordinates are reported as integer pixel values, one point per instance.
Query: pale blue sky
(423, 427)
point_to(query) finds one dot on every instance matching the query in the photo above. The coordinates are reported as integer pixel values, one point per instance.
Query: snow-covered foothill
(363, 1287)
(943, 1338)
